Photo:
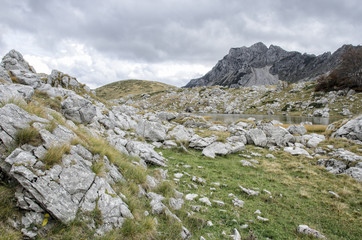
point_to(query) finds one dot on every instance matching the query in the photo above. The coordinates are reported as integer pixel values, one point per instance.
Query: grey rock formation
(296, 151)
(145, 152)
(180, 133)
(198, 142)
(15, 92)
(257, 137)
(351, 130)
(297, 129)
(152, 131)
(78, 109)
(278, 136)
(304, 229)
(13, 118)
(4, 76)
(260, 65)
(15, 61)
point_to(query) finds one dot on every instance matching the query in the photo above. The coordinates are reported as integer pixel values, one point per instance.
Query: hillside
(74, 166)
(260, 65)
(124, 88)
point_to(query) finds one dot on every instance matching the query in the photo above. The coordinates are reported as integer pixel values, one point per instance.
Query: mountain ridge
(240, 67)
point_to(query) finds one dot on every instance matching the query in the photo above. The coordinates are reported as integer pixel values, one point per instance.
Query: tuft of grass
(166, 188)
(54, 155)
(98, 167)
(221, 135)
(29, 135)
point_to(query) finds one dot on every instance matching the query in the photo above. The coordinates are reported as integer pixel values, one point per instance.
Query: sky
(170, 41)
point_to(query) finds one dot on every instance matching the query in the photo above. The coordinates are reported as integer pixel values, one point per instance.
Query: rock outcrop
(260, 65)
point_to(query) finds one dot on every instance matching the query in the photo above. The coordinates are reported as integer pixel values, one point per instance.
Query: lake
(228, 118)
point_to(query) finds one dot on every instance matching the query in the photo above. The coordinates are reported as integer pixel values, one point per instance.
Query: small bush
(54, 155)
(29, 135)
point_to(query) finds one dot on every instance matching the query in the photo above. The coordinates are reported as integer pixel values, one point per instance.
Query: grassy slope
(303, 185)
(126, 87)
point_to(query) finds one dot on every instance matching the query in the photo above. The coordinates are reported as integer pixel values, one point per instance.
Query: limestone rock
(351, 130)
(152, 131)
(297, 129)
(304, 229)
(78, 109)
(257, 137)
(145, 152)
(15, 91)
(198, 142)
(296, 151)
(180, 133)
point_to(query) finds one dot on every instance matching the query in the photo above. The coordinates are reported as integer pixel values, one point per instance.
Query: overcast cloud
(171, 41)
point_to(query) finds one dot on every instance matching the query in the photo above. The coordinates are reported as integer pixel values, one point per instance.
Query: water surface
(228, 118)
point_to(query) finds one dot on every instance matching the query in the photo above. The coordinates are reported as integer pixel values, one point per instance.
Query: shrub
(348, 74)
(29, 135)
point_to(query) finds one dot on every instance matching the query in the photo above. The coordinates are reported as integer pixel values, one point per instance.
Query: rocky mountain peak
(260, 65)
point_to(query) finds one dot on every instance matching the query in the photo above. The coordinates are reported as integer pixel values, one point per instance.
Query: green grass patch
(299, 195)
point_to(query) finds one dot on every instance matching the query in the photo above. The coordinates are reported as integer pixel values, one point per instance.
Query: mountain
(260, 65)
(74, 166)
(126, 87)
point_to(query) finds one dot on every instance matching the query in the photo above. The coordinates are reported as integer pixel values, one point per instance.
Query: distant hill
(123, 88)
(260, 65)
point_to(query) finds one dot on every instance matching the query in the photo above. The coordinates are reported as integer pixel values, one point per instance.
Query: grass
(221, 135)
(29, 135)
(124, 88)
(54, 155)
(310, 128)
(299, 196)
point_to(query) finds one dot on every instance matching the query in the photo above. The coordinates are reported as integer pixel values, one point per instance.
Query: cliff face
(260, 65)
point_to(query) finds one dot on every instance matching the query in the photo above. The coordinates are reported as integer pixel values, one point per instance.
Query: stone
(14, 60)
(238, 203)
(236, 234)
(346, 155)
(269, 155)
(15, 92)
(262, 219)
(215, 148)
(180, 133)
(145, 152)
(246, 163)
(334, 194)
(304, 229)
(26, 78)
(351, 130)
(333, 165)
(185, 234)
(12, 119)
(191, 196)
(176, 203)
(218, 202)
(257, 212)
(296, 151)
(166, 116)
(78, 109)
(278, 136)
(257, 137)
(152, 131)
(355, 172)
(198, 142)
(4, 76)
(312, 140)
(249, 191)
(297, 129)
(205, 200)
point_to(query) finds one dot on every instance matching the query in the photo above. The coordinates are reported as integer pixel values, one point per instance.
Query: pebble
(262, 219)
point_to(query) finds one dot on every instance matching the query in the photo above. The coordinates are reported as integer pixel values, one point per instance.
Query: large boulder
(219, 148)
(180, 133)
(12, 119)
(78, 109)
(152, 131)
(351, 130)
(15, 61)
(15, 92)
(278, 136)
(297, 129)
(146, 153)
(198, 142)
(312, 140)
(257, 137)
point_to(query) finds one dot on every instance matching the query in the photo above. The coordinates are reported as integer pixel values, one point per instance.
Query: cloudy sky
(171, 41)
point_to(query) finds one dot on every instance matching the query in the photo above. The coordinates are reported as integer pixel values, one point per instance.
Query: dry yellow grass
(309, 128)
